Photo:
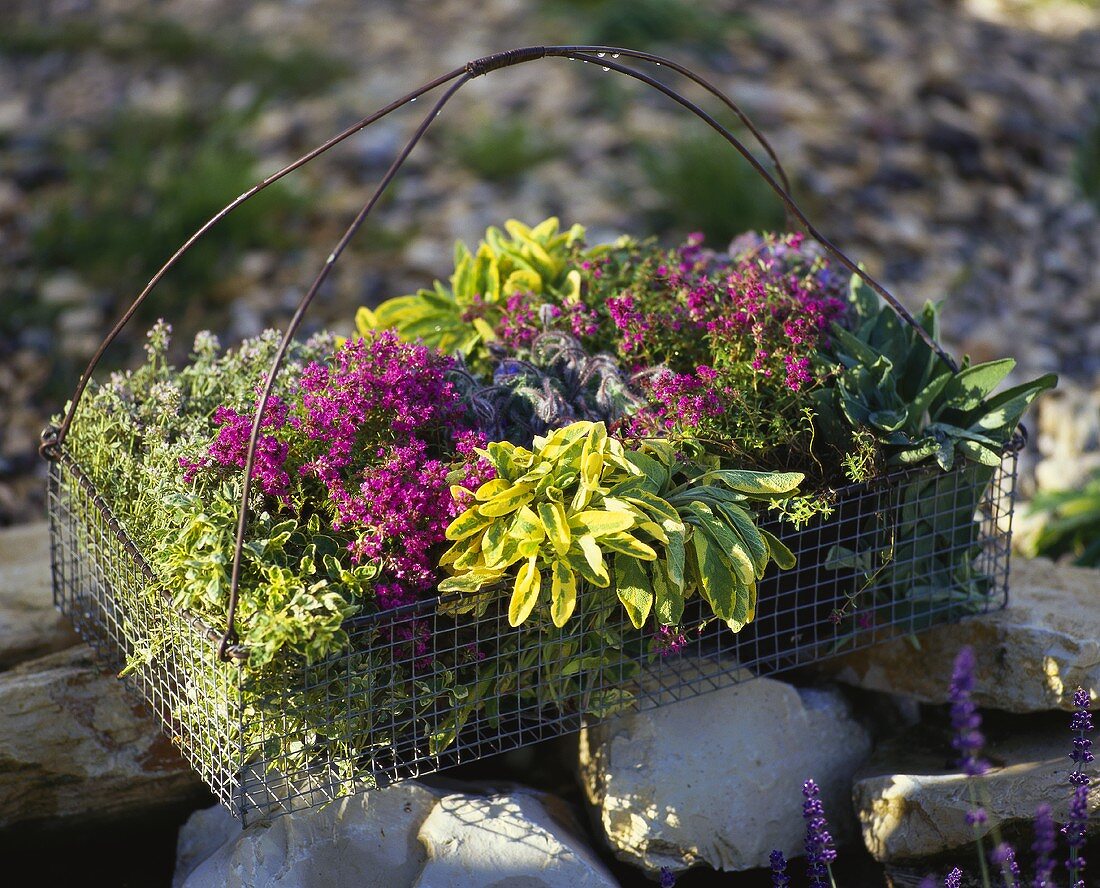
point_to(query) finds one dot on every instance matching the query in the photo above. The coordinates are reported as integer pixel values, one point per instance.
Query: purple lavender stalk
(1043, 847)
(965, 720)
(780, 879)
(819, 841)
(969, 741)
(1003, 857)
(954, 879)
(668, 880)
(1074, 830)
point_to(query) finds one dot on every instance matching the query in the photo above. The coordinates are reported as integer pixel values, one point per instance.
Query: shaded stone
(30, 626)
(911, 806)
(717, 779)
(1030, 656)
(73, 745)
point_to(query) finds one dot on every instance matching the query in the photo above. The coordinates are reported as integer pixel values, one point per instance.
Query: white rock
(717, 779)
(504, 840)
(403, 836)
(1030, 656)
(367, 840)
(910, 807)
(72, 744)
(30, 626)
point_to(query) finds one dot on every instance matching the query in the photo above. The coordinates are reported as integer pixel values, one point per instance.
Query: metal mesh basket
(431, 685)
(915, 549)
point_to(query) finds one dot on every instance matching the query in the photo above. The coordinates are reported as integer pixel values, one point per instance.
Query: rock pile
(406, 835)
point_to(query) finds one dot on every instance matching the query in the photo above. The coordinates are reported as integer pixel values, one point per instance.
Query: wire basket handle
(605, 56)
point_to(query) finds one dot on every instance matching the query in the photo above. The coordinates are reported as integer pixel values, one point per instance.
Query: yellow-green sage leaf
(525, 593)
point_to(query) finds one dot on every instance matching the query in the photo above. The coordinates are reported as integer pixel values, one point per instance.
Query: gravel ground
(935, 141)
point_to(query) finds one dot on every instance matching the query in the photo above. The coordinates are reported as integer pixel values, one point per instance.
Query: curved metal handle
(605, 56)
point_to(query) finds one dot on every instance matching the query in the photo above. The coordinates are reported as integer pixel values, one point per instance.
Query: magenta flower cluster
(370, 438)
(669, 641)
(779, 309)
(230, 448)
(680, 400)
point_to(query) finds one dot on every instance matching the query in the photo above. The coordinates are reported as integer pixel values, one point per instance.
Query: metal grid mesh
(424, 687)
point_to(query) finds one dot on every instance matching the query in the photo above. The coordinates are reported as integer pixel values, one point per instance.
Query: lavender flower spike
(1043, 847)
(819, 841)
(1074, 830)
(668, 880)
(1003, 857)
(965, 720)
(780, 879)
(954, 879)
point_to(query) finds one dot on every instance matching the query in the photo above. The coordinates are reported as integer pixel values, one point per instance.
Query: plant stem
(978, 836)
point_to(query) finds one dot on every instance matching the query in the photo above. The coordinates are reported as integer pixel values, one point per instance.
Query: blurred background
(953, 147)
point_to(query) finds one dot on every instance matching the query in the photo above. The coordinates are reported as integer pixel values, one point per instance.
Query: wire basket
(944, 537)
(429, 685)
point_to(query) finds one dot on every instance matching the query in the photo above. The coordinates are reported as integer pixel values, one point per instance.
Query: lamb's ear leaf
(968, 388)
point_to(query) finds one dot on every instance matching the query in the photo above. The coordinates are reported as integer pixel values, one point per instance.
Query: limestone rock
(403, 836)
(367, 840)
(1030, 656)
(72, 744)
(911, 807)
(717, 779)
(30, 626)
(504, 840)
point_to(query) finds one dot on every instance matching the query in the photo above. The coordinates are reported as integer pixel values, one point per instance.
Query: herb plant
(569, 443)
(1071, 523)
(547, 385)
(462, 317)
(581, 505)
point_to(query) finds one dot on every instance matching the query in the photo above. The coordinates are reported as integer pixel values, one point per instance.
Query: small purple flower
(1003, 857)
(819, 841)
(1081, 724)
(976, 817)
(780, 879)
(1074, 830)
(965, 719)
(669, 641)
(1043, 847)
(667, 878)
(954, 879)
